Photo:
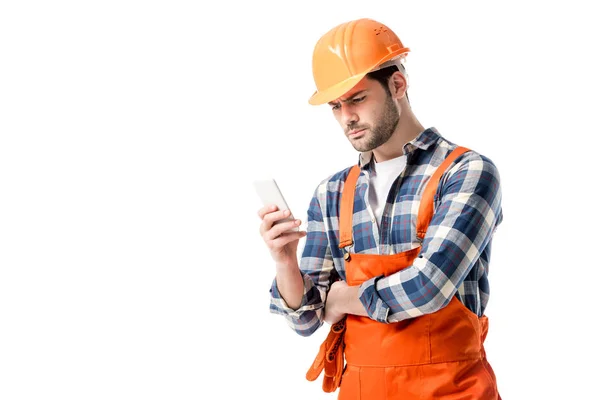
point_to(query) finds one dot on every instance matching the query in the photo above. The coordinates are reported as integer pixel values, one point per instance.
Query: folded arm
(462, 226)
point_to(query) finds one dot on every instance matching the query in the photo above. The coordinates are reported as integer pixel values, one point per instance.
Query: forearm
(290, 284)
(298, 290)
(461, 228)
(307, 317)
(349, 302)
(342, 300)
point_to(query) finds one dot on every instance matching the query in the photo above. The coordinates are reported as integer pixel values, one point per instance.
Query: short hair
(383, 76)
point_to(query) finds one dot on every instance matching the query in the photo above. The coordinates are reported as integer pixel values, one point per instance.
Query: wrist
(286, 266)
(352, 303)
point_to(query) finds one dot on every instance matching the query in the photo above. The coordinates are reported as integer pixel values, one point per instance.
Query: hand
(282, 245)
(334, 304)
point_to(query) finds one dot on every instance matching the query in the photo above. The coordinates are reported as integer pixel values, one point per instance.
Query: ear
(397, 85)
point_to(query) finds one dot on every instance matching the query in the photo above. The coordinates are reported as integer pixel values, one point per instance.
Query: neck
(407, 129)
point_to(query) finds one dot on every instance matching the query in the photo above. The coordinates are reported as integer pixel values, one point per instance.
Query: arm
(310, 280)
(461, 228)
(290, 283)
(341, 300)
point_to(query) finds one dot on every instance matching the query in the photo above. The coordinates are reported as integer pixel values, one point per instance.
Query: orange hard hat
(345, 54)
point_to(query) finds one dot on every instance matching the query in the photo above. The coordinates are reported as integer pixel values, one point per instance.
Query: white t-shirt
(384, 174)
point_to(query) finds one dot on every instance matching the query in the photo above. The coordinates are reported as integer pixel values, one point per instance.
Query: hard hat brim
(335, 91)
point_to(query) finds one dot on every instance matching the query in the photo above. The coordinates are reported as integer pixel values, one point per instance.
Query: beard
(381, 132)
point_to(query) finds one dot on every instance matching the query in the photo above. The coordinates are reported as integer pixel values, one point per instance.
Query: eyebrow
(349, 98)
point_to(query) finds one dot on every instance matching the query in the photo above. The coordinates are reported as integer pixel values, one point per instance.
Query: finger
(275, 216)
(278, 229)
(271, 218)
(285, 238)
(266, 214)
(266, 209)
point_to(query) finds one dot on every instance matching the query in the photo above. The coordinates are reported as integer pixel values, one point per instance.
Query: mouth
(356, 133)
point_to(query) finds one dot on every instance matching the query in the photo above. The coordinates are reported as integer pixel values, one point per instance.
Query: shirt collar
(423, 140)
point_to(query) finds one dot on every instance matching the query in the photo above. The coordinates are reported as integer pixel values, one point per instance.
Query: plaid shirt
(455, 253)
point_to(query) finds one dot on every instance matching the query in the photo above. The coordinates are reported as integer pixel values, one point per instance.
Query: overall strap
(347, 207)
(426, 204)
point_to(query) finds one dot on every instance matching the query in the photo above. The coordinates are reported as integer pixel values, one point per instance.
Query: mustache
(355, 127)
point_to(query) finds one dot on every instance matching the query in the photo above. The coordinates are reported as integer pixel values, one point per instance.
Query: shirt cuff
(375, 306)
(279, 305)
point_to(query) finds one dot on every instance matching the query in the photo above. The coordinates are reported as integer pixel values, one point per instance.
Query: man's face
(367, 113)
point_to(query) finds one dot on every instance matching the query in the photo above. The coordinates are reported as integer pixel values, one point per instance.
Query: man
(397, 247)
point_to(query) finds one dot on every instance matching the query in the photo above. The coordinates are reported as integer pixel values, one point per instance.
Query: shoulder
(474, 164)
(471, 161)
(332, 183)
(327, 194)
(471, 172)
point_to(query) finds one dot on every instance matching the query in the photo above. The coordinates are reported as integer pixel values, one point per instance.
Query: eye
(358, 99)
(335, 106)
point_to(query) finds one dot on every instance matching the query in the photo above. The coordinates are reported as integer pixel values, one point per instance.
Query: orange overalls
(434, 356)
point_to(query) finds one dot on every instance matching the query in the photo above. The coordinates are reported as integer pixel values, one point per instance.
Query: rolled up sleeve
(316, 267)
(463, 223)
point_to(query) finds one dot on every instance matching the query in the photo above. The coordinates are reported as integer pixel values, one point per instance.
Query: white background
(130, 261)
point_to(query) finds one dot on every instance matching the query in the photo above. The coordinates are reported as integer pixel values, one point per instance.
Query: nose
(348, 115)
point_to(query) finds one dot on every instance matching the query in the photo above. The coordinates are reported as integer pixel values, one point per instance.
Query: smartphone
(269, 193)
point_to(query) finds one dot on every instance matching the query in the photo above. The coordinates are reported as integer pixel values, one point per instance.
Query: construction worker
(397, 246)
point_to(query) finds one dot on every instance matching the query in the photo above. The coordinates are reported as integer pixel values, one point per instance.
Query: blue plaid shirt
(455, 255)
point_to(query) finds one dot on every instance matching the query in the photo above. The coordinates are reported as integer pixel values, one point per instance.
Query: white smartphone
(269, 193)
